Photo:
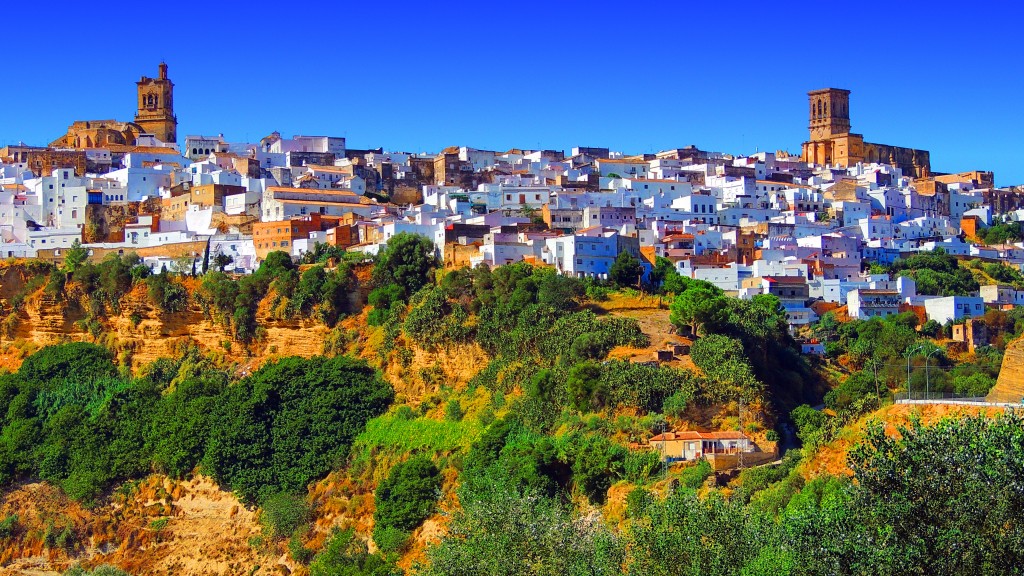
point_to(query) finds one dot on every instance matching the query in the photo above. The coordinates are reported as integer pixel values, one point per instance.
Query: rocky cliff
(1010, 387)
(141, 333)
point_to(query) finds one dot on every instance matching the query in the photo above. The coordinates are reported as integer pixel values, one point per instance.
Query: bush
(102, 570)
(453, 411)
(291, 422)
(345, 555)
(390, 540)
(166, 294)
(283, 513)
(298, 551)
(694, 477)
(408, 495)
(639, 466)
(596, 464)
(676, 404)
(9, 526)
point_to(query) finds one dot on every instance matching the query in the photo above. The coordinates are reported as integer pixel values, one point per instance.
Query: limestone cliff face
(1010, 387)
(145, 334)
(161, 526)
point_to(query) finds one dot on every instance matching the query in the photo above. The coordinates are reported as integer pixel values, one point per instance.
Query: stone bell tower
(830, 113)
(156, 106)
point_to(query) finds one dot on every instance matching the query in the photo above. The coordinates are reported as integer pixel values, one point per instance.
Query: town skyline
(735, 97)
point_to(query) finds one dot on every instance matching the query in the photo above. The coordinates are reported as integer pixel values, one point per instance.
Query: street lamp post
(927, 384)
(910, 354)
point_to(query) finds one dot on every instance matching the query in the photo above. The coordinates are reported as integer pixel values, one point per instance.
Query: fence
(948, 398)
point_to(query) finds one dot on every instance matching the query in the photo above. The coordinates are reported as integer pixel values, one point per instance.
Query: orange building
(281, 235)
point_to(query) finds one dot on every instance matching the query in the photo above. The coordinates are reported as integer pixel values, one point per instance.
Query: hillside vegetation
(471, 422)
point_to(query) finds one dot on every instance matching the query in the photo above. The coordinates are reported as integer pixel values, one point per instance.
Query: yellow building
(831, 141)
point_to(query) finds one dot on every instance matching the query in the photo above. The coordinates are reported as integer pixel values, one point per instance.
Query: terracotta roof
(694, 435)
(332, 191)
(728, 435)
(688, 435)
(332, 202)
(322, 168)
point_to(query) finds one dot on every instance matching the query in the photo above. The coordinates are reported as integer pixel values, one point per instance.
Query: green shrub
(291, 422)
(639, 466)
(408, 495)
(283, 513)
(453, 411)
(298, 551)
(693, 477)
(346, 555)
(390, 540)
(8, 526)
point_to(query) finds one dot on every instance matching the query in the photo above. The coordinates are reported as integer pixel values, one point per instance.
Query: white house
(948, 308)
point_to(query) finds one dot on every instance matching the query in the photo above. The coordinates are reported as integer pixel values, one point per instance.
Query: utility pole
(740, 417)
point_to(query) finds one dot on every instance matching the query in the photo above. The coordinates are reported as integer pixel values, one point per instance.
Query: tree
(75, 256)
(927, 489)
(408, 495)
(626, 270)
(702, 305)
(221, 261)
(663, 267)
(547, 539)
(206, 257)
(584, 386)
(406, 261)
(290, 422)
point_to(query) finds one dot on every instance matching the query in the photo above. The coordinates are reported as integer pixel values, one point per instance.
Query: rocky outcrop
(1010, 387)
(143, 334)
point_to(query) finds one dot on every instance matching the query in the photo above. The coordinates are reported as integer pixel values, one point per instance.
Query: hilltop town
(800, 227)
(294, 357)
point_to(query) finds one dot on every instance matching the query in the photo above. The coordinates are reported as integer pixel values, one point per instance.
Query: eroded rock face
(161, 526)
(1010, 387)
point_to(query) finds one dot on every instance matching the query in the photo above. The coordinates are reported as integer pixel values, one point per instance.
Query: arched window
(826, 108)
(819, 108)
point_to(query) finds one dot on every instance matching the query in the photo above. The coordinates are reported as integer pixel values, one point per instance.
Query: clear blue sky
(632, 76)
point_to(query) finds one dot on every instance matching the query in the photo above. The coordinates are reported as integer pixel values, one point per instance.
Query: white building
(948, 308)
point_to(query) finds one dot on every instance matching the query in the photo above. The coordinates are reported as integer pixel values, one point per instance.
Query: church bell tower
(156, 106)
(830, 113)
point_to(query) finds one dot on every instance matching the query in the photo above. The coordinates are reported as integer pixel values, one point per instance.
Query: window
(284, 243)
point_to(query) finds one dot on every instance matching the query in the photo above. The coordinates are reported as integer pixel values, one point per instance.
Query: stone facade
(155, 115)
(156, 106)
(831, 141)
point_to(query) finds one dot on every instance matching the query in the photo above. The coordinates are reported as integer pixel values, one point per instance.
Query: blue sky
(636, 77)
